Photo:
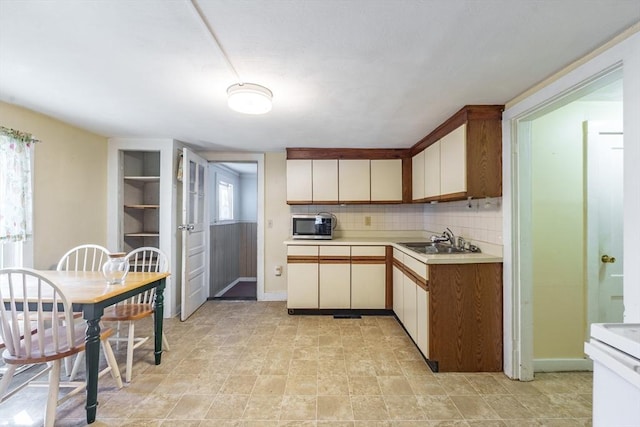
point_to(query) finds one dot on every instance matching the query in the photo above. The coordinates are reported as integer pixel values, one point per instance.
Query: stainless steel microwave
(319, 226)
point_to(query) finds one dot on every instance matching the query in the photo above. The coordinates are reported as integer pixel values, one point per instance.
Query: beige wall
(277, 214)
(559, 284)
(70, 184)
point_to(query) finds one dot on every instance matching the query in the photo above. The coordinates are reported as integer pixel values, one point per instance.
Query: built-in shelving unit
(140, 199)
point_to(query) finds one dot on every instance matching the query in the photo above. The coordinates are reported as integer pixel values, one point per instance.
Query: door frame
(518, 313)
(223, 156)
(593, 252)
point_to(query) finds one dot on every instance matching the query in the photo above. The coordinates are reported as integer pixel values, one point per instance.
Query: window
(225, 201)
(15, 196)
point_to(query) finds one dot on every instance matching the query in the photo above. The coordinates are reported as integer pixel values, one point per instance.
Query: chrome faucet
(447, 236)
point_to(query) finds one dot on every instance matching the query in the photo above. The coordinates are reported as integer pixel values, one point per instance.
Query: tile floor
(248, 363)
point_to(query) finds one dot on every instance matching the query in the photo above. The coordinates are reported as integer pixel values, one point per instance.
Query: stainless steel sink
(437, 248)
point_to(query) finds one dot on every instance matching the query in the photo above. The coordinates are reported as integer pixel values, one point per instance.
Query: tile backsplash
(479, 220)
(382, 217)
(476, 220)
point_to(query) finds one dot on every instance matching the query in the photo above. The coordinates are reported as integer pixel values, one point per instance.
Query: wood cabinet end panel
(407, 180)
(484, 158)
(300, 153)
(299, 202)
(389, 278)
(465, 317)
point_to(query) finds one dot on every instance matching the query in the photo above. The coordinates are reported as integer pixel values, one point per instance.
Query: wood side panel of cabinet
(407, 186)
(465, 317)
(389, 277)
(484, 158)
(345, 153)
(464, 115)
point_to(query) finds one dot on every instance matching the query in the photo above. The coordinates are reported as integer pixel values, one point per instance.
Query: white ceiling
(349, 73)
(242, 168)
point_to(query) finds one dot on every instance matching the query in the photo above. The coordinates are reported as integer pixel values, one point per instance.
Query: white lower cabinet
(410, 299)
(398, 284)
(409, 307)
(422, 315)
(368, 277)
(335, 277)
(302, 277)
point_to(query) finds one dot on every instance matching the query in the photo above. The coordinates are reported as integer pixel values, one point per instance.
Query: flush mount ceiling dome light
(249, 98)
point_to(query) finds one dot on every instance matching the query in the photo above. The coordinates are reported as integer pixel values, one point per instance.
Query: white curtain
(15, 185)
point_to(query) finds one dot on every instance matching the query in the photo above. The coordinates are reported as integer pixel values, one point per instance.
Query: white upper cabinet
(453, 161)
(325, 181)
(432, 170)
(354, 180)
(386, 180)
(299, 181)
(417, 176)
(332, 181)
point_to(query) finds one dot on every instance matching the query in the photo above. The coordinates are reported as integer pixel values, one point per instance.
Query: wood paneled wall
(233, 254)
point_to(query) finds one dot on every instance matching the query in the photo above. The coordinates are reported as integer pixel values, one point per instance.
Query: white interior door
(195, 233)
(604, 148)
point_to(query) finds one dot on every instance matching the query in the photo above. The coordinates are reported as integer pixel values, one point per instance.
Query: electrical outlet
(367, 220)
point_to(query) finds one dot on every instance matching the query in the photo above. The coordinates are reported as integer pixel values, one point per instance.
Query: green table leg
(92, 359)
(159, 315)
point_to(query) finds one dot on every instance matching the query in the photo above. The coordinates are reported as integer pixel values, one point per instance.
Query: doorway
(560, 248)
(233, 214)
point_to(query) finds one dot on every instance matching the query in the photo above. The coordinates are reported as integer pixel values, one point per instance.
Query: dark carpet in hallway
(241, 291)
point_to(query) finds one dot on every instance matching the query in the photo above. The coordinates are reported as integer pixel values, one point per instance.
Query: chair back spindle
(32, 303)
(84, 258)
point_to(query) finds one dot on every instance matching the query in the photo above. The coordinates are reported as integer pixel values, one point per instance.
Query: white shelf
(142, 206)
(142, 178)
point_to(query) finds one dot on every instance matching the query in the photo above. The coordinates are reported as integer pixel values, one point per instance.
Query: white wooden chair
(84, 258)
(145, 259)
(88, 257)
(24, 296)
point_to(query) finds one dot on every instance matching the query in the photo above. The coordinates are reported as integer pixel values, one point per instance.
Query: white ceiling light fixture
(247, 98)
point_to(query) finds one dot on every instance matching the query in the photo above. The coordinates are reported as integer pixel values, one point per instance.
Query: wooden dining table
(90, 294)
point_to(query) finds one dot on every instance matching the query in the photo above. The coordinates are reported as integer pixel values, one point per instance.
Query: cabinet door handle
(187, 227)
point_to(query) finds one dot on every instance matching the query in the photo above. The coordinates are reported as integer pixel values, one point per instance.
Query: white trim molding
(625, 53)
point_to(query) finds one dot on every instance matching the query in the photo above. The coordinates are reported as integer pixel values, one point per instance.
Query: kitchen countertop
(466, 258)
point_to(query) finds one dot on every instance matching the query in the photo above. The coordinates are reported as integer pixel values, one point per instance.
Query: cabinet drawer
(418, 267)
(368, 251)
(340, 251)
(302, 250)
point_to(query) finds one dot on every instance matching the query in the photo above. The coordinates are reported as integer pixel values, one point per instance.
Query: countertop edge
(471, 258)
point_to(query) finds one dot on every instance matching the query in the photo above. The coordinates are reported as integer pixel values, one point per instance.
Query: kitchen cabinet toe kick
(340, 313)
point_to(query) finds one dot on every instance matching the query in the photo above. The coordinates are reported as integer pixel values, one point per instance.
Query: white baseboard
(562, 365)
(273, 296)
(235, 282)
